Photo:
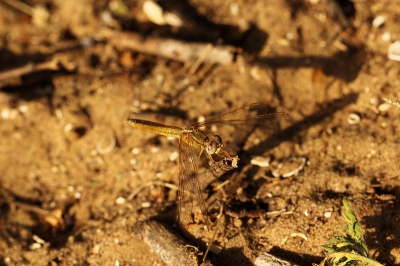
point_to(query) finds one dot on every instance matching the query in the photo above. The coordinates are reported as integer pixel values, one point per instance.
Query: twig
(215, 232)
(164, 242)
(170, 48)
(201, 59)
(21, 6)
(151, 183)
(30, 68)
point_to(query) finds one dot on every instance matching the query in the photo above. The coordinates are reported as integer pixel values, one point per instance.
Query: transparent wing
(254, 114)
(234, 126)
(190, 187)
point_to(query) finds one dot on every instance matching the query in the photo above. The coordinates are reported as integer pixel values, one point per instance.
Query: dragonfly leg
(210, 158)
(223, 154)
(201, 151)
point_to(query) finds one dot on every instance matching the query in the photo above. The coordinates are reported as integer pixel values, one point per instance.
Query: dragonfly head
(215, 145)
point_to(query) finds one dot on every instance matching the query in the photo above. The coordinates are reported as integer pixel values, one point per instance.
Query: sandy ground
(77, 184)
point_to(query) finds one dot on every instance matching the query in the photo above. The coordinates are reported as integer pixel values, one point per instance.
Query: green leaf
(354, 227)
(348, 248)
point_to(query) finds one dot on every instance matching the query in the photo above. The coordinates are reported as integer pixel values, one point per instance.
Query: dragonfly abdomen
(156, 128)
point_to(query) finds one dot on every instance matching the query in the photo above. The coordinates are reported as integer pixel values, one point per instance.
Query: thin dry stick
(215, 232)
(148, 184)
(170, 48)
(201, 59)
(28, 207)
(21, 6)
(30, 68)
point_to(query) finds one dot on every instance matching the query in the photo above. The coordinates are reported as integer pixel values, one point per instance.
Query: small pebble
(96, 249)
(328, 214)
(174, 156)
(394, 51)
(353, 119)
(154, 12)
(38, 239)
(23, 108)
(254, 73)
(173, 20)
(35, 246)
(378, 21)
(68, 127)
(237, 223)
(120, 200)
(260, 161)
(146, 204)
(77, 195)
(135, 151)
(8, 114)
(384, 107)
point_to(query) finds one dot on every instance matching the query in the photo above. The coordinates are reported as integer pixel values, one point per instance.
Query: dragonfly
(198, 141)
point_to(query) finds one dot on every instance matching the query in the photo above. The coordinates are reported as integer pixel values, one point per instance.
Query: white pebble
(174, 156)
(23, 108)
(394, 51)
(353, 119)
(146, 204)
(38, 239)
(254, 73)
(327, 214)
(120, 200)
(68, 127)
(135, 151)
(5, 113)
(172, 20)
(35, 246)
(154, 12)
(261, 161)
(378, 21)
(133, 162)
(386, 36)
(384, 107)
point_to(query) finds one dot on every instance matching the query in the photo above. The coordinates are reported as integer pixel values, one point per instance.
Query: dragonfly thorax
(215, 145)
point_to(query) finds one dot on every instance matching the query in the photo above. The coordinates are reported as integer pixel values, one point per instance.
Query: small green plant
(349, 248)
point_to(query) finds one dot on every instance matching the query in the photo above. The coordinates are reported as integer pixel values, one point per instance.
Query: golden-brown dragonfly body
(195, 137)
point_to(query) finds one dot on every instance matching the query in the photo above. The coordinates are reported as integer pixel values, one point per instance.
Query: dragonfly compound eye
(215, 146)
